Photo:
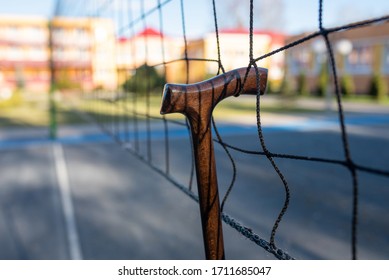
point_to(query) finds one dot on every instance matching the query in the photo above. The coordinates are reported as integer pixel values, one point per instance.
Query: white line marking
(67, 204)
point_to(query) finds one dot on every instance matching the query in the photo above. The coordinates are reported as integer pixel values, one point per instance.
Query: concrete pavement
(124, 210)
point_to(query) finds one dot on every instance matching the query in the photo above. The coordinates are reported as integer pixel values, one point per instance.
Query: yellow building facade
(86, 54)
(366, 55)
(153, 48)
(83, 53)
(24, 53)
(235, 51)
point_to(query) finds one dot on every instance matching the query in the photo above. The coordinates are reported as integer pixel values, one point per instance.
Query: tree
(378, 87)
(146, 79)
(323, 80)
(286, 87)
(302, 84)
(347, 85)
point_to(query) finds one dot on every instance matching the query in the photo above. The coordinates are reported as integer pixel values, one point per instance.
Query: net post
(52, 91)
(196, 102)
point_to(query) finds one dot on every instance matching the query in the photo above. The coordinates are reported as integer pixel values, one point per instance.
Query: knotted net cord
(134, 117)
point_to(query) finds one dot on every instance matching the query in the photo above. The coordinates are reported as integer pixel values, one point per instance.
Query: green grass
(366, 99)
(230, 108)
(236, 107)
(33, 112)
(23, 112)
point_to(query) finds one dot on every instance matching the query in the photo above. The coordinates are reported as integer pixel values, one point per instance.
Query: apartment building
(151, 47)
(72, 52)
(24, 53)
(235, 48)
(83, 53)
(359, 53)
(86, 54)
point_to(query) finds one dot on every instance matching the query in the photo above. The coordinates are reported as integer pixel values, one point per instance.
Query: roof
(147, 32)
(276, 36)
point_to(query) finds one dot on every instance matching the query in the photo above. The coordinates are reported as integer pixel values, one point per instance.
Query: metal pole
(196, 102)
(52, 105)
(52, 100)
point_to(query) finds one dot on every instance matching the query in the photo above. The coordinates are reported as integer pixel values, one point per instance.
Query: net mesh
(125, 113)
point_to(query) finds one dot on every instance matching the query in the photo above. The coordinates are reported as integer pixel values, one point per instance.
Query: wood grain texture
(196, 102)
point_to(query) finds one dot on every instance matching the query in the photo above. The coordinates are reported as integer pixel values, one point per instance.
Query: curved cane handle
(198, 100)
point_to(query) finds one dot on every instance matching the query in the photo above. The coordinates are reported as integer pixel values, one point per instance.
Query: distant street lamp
(344, 47)
(319, 47)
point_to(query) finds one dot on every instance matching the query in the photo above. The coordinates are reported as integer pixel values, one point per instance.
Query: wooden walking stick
(196, 102)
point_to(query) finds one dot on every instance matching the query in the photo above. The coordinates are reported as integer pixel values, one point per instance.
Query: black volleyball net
(146, 58)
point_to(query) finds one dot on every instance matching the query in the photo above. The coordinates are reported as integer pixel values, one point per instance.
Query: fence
(123, 104)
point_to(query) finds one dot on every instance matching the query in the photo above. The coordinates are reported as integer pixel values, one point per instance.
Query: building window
(58, 35)
(15, 53)
(299, 61)
(33, 34)
(359, 62)
(11, 32)
(59, 54)
(385, 59)
(319, 61)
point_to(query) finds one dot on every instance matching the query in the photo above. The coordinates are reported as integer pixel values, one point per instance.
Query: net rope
(129, 102)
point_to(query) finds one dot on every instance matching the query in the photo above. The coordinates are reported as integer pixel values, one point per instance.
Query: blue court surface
(82, 196)
(308, 124)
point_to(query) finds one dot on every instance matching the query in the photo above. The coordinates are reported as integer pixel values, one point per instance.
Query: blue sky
(32, 7)
(299, 15)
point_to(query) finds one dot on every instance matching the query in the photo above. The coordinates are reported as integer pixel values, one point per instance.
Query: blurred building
(24, 53)
(235, 51)
(360, 53)
(72, 52)
(84, 53)
(150, 47)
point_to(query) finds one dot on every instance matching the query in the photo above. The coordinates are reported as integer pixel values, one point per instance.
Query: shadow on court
(122, 209)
